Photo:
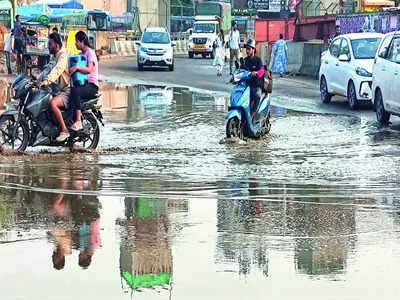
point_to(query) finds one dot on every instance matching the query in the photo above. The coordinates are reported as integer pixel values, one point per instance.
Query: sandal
(75, 127)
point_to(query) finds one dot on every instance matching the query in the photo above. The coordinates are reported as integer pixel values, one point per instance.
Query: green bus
(6, 14)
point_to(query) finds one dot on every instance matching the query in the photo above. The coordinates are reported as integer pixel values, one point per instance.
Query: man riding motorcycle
(254, 64)
(59, 79)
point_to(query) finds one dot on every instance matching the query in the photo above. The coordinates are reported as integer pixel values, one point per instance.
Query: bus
(6, 14)
(91, 22)
(95, 20)
(127, 22)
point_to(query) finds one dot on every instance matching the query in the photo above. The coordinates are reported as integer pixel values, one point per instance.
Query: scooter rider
(254, 64)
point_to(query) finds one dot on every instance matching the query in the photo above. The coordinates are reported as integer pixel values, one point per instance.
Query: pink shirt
(94, 75)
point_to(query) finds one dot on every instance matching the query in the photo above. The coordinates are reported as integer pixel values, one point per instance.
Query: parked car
(385, 78)
(346, 67)
(155, 49)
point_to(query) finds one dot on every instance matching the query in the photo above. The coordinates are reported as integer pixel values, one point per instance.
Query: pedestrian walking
(18, 42)
(281, 56)
(220, 53)
(234, 45)
(7, 52)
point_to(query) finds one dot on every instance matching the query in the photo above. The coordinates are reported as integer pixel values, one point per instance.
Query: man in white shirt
(234, 45)
(7, 51)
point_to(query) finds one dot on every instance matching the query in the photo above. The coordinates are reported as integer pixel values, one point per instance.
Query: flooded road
(166, 210)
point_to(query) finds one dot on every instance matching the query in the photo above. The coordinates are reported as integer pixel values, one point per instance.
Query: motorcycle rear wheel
(7, 125)
(88, 138)
(233, 128)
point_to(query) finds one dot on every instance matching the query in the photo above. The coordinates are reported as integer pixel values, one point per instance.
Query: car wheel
(140, 67)
(382, 115)
(325, 96)
(171, 67)
(352, 96)
(190, 54)
(204, 55)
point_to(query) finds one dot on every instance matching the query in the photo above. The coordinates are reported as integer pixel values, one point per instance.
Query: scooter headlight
(237, 77)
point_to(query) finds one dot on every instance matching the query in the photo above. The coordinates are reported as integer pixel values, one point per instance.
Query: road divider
(124, 48)
(181, 47)
(129, 48)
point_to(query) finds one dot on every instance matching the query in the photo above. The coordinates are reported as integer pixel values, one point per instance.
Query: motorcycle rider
(58, 75)
(253, 64)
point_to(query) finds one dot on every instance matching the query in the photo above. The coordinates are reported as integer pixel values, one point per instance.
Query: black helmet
(233, 23)
(251, 43)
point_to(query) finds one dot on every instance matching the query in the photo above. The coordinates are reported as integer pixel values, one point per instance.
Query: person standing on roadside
(7, 52)
(336, 34)
(18, 42)
(234, 45)
(220, 53)
(281, 56)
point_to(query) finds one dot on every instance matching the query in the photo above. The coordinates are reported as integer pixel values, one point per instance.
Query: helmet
(251, 43)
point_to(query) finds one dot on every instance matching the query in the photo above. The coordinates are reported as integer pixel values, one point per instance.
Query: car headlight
(190, 40)
(208, 40)
(143, 49)
(362, 72)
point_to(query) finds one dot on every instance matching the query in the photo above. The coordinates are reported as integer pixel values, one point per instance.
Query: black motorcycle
(30, 122)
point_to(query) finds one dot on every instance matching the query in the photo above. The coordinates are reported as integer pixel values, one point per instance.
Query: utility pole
(14, 6)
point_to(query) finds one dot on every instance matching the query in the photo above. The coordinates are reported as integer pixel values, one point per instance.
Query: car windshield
(204, 28)
(365, 48)
(155, 38)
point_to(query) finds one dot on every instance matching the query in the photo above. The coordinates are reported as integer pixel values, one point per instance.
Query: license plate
(202, 46)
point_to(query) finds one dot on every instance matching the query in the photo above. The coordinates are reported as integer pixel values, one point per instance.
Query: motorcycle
(30, 121)
(239, 122)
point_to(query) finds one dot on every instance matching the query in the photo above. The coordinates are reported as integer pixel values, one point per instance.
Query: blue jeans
(255, 97)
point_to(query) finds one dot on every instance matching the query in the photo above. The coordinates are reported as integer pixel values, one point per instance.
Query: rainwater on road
(166, 209)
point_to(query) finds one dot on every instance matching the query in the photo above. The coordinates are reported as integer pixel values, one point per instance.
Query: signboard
(258, 4)
(251, 4)
(244, 11)
(274, 5)
(4, 12)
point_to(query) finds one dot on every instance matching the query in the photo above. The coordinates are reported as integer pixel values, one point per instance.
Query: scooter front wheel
(233, 128)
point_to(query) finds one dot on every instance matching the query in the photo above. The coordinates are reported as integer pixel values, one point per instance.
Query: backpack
(267, 84)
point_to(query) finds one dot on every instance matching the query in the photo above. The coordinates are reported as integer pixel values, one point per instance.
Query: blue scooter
(239, 122)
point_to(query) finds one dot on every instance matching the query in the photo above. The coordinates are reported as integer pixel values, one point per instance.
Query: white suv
(155, 49)
(385, 78)
(346, 67)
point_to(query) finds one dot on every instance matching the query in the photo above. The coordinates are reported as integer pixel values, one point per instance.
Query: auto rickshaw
(36, 52)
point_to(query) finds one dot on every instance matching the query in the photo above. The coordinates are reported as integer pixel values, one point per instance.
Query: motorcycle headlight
(362, 72)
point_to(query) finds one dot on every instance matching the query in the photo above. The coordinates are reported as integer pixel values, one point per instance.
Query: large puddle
(164, 210)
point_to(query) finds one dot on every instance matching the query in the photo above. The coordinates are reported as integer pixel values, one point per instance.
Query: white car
(385, 76)
(155, 49)
(346, 67)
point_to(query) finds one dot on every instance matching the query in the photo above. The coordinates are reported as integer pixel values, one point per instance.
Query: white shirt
(234, 39)
(7, 46)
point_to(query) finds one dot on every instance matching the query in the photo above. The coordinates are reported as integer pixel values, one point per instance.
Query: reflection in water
(323, 232)
(145, 253)
(133, 103)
